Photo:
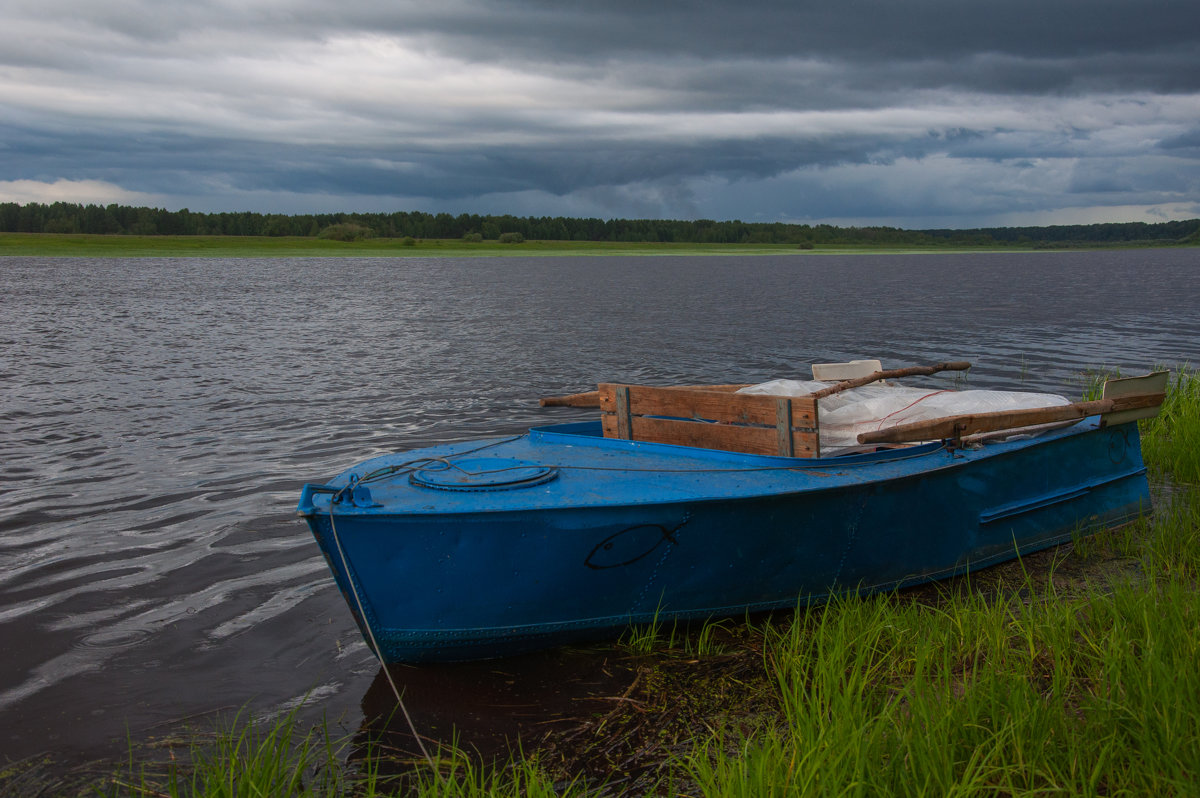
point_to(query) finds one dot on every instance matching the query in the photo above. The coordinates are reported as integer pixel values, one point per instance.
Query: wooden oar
(971, 423)
(891, 374)
(585, 399)
(592, 398)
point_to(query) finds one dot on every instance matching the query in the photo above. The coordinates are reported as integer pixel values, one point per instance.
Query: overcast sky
(936, 113)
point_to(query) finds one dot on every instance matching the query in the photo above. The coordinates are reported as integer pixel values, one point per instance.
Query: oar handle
(973, 423)
(585, 399)
(592, 398)
(891, 374)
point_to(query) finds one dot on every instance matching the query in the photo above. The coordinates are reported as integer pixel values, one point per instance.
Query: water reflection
(489, 708)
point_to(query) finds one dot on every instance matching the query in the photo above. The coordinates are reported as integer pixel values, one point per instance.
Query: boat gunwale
(751, 463)
(552, 431)
(858, 459)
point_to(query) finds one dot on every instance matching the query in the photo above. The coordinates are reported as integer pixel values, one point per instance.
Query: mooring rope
(366, 624)
(415, 464)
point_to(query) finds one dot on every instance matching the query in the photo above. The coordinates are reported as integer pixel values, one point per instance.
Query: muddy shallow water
(158, 416)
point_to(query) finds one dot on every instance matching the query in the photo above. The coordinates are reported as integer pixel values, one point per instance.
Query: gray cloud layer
(936, 113)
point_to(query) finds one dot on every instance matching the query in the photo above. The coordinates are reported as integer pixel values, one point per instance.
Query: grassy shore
(130, 246)
(1075, 671)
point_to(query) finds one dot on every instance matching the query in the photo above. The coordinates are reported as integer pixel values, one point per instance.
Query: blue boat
(567, 532)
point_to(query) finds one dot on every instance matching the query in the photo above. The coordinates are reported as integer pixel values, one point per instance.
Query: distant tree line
(1106, 233)
(65, 217)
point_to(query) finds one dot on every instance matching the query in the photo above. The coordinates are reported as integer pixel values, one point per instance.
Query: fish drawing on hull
(630, 545)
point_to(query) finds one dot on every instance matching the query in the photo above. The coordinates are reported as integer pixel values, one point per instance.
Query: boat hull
(627, 533)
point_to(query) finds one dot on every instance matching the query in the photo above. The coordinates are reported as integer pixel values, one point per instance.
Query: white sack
(843, 416)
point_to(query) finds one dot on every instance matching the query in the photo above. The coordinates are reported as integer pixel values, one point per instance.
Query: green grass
(1171, 441)
(250, 759)
(245, 757)
(692, 640)
(129, 246)
(1096, 693)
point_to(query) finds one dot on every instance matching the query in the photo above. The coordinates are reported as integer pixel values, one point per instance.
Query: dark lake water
(158, 416)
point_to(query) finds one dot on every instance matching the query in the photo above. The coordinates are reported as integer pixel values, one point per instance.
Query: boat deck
(574, 465)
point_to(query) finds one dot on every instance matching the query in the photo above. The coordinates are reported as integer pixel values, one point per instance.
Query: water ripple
(158, 416)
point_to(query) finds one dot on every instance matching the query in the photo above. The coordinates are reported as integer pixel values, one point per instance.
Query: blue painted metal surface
(488, 548)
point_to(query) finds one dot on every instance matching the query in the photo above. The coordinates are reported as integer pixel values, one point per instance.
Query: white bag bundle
(843, 416)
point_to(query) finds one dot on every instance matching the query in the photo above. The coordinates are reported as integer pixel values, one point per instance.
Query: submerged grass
(1072, 672)
(245, 757)
(270, 759)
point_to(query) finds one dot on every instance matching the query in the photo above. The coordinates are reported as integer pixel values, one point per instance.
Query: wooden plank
(725, 437)
(624, 417)
(750, 423)
(805, 443)
(971, 423)
(783, 427)
(729, 408)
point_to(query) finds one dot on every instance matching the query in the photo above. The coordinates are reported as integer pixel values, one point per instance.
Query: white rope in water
(366, 623)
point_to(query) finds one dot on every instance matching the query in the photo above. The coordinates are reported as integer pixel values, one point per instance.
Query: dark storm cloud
(754, 109)
(1188, 142)
(160, 161)
(881, 29)
(1150, 46)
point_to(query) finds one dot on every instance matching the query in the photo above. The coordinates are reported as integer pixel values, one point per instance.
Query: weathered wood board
(712, 419)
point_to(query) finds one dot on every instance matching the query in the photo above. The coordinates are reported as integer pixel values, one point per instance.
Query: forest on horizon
(64, 217)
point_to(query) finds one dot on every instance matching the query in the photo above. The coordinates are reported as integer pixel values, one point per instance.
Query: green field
(131, 246)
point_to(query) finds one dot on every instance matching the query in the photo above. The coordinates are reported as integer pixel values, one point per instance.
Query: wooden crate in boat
(712, 419)
(715, 417)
